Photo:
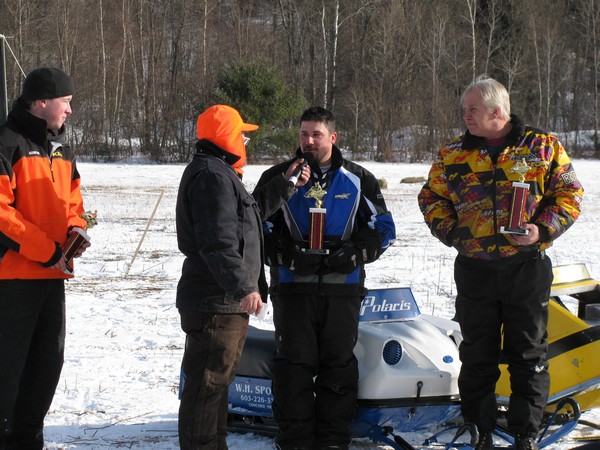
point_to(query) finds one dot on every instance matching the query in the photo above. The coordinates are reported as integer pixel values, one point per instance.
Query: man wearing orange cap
(220, 233)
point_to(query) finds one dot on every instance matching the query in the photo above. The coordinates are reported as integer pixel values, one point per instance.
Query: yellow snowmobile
(573, 347)
(574, 357)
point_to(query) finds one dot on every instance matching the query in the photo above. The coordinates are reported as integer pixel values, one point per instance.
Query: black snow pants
(315, 337)
(32, 342)
(505, 299)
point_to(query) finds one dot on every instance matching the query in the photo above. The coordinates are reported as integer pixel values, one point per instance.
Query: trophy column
(317, 228)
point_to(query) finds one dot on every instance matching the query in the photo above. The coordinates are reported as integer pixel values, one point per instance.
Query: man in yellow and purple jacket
(503, 279)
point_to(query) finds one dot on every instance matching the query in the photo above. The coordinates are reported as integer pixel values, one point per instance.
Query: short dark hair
(319, 114)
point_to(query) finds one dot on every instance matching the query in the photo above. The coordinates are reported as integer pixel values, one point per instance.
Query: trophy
(517, 209)
(317, 221)
(78, 237)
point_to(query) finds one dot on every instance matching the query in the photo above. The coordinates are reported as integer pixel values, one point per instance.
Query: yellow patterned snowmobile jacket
(467, 197)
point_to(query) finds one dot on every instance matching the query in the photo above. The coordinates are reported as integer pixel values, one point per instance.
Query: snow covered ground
(124, 344)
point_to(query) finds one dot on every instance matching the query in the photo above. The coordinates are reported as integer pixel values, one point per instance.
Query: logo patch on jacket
(34, 153)
(569, 177)
(344, 196)
(56, 154)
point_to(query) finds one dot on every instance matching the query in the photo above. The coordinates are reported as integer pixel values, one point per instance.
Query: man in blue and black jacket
(316, 297)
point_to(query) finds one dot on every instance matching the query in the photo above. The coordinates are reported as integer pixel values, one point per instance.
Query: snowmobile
(574, 341)
(409, 366)
(574, 357)
(574, 351)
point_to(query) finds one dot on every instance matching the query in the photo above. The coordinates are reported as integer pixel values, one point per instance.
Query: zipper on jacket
(50, 150)
(496, 236)
(51, 169)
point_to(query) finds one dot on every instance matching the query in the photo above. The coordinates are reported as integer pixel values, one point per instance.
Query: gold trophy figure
(517, 210)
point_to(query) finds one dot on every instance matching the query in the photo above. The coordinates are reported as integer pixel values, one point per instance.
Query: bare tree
(471, 19)
(548, 46)
(392, 71)
(104, 104)
(495, 40)
(67, 32)
(590, 11)
(325, 42)
(433, 53)
(21, 14)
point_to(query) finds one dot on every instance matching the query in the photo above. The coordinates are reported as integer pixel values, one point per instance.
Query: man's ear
(334, 137)
(37, 105)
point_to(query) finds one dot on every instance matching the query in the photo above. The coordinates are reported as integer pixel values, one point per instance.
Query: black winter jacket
(220, 233)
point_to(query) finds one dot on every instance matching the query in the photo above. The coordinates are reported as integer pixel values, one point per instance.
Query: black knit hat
(46, 83)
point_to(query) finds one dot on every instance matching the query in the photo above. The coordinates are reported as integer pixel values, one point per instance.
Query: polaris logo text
(369, 303)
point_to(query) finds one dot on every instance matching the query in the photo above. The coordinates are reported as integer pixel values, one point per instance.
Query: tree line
(392, 71)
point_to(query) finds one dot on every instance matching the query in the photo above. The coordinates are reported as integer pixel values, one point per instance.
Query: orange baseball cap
(223, 126)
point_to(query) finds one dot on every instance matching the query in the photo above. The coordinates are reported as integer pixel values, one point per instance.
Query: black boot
(525, 442)
(485, 441)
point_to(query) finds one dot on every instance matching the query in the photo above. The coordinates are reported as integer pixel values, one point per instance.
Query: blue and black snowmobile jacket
(356, 216)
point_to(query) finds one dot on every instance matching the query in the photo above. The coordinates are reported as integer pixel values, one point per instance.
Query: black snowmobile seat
(257, 357)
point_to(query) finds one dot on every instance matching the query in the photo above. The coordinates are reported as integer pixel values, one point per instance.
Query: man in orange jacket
(40, 204)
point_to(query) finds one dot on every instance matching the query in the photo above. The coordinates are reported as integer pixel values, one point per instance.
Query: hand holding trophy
(517, 210)
(78, 237)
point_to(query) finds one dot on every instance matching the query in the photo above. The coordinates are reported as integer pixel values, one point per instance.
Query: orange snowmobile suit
(40, 199)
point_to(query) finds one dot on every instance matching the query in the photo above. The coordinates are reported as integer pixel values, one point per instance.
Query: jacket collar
(336, 159)
(207, 147)
(34, 128)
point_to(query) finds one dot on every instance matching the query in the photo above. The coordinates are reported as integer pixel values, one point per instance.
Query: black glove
(56, 256)
(299, 262)
(347, 258)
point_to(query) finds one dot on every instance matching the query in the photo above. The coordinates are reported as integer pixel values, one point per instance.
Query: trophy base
(520, 231)
(316, 251)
